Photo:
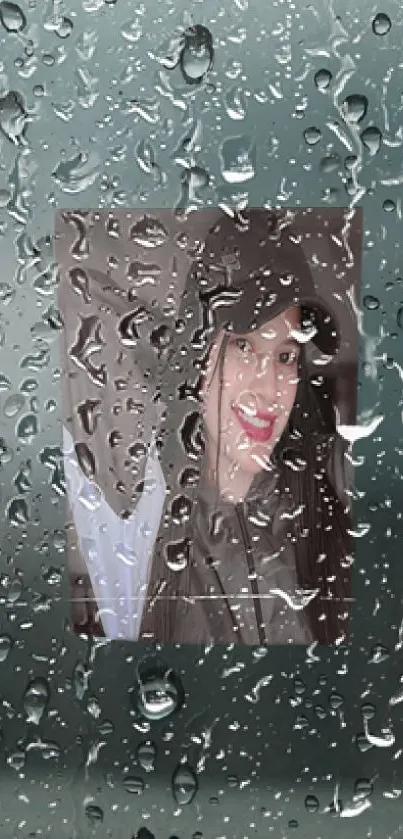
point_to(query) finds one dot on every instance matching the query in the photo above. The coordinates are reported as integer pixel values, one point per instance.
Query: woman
(249, 541)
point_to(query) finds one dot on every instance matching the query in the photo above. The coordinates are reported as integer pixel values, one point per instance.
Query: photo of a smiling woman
(242, 528)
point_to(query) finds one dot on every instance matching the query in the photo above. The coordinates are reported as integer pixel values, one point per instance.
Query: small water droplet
(184, 784)
(12, 17)
(65, 28)
(146, 755)
(368, 710)
(197, 56)
(81, 676)
(399, 317)
(379, 653)
(311, 804)
(133, 785)
(36, 698)
(13, 117)
(312, 135)
(322, 79)
(381, 24)
(355, 107)
(389, 206)
(362, 743)
(371, 302)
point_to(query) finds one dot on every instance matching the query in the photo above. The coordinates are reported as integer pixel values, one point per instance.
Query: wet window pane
(135, 702)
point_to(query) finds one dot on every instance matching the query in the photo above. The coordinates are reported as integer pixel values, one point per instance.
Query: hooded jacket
(228, 570)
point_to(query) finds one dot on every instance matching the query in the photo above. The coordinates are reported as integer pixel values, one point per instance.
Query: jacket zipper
(252, 574)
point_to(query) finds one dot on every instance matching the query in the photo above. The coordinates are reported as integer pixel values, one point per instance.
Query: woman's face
(260, 379)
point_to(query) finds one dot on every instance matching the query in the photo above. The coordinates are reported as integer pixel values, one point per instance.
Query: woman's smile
(258, 427)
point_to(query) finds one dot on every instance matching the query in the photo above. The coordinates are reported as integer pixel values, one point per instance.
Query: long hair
(320, 533)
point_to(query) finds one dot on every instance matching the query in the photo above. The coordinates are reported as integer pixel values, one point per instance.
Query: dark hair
(321, 533)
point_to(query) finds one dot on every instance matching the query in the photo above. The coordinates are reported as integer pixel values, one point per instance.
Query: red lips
(260, 435)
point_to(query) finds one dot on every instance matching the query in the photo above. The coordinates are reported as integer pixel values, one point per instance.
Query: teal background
(271, 52)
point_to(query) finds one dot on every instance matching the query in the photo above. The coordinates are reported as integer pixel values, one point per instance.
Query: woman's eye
(288, 357)
(243, 345)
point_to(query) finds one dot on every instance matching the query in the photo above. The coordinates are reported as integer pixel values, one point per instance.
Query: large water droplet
(371, 138)
(363, 788)
(13, 117)
(94, 814)
(322, 79)
(312, 135)
(381, 24)
(86, 459)
(371, 302)
(330, 163)
(77, 173)
(311, 804)
(12, 17)
(36, 698)
(64, 28)
(5, 646)
(18, 512)
(197, 56)
(17, 760)
(160, 692)
(355, 107)
(149, 233)
(399, 317)
(27, 428)
(184, 784)
(13, 405)
(238, 159)
(146, 754)
(134, 785)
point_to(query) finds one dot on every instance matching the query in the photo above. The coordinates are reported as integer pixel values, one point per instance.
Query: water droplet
(184, 784)
(311, 804)
(106, 728)
(146, 755)
(5, 197)
(197, 56)
(133, 785)
(381, 24)
(13, 405)
(379, 653)
(94, 708)
(233, 781)
(336, 700)
(13, 118)
(5, 646)
(371, 138)
(293, 824)
(389, 206)
(371, 302)
(312, 135)
(322, 79)
(399, 317)
(27, 428)
(14, 590)
(77, 173)
(94, 814)
(355, 107)
(12, 17)
(81, 676)
(65, 28)
(36, 698)
(17, 760)
(85, 459)
(363, 788)
(18, 513)
(160, 693)
(368, 710)
(238, 159)
(330, 163)
(362, 743)
(149, 233)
